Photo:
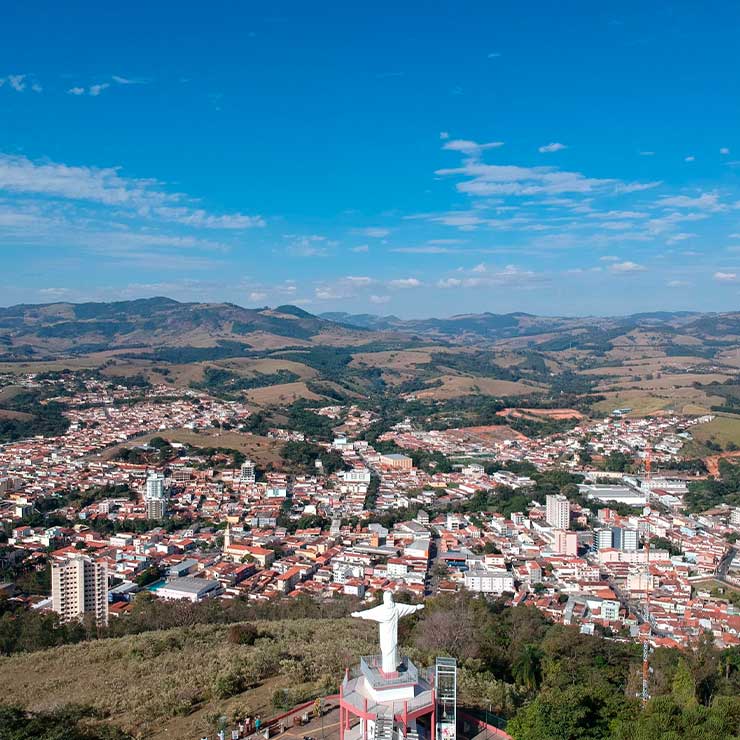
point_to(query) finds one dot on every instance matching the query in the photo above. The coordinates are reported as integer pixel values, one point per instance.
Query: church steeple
(227, 537)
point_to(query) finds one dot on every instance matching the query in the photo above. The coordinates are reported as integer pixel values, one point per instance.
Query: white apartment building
(246, 472)
(557, 512)
(79, 586)
(485, 581)
(154, 498)
(603, 539)
(155, 486)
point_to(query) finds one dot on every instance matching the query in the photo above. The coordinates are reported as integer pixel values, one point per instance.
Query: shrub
(242, 634)
(228, 683)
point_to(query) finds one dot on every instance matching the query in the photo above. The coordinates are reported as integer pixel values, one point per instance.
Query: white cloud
(724, 150)
(471, 148)
(199, 217)
(494, 55)
(374, 232)
(690, 158)
(511, 276)
(705, 201)
(626, 267)
(405, 283)
(646, 154)
(127, 81)
(678, 284)
(95, 90)
(680, 237)
(725, 277)
(554, 146)
(308, 246)
(76, 91)
(362, 248)
(428, 249)
(444, 135)
(359, 280)
(107, 187)
(17, 82)
(257, 296)
(449, 283)
(379, 299)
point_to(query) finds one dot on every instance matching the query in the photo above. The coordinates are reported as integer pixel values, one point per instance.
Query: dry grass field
(663, 381)
(405, 360)
(543, 413)
(262, 450)
(8, 391)
(247, 367)
(281, 395)
(722, 430)
(165, 684)
(7, 414)
(457, 385)
(687, 400)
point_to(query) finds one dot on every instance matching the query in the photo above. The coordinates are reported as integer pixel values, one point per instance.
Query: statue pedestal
(398, 706)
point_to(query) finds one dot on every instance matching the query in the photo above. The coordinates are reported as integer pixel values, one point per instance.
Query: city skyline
(420, 162)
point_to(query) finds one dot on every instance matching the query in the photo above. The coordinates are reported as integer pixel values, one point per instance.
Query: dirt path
(712, 462)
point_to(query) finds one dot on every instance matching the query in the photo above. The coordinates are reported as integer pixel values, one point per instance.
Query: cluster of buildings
(621, 557)
(662, 436)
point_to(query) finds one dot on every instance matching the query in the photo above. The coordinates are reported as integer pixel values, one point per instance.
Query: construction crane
(646, 641)
(645, 671)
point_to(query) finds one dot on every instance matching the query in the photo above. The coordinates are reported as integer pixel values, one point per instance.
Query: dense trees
(705, 494)
(35, 417)
(66, 723)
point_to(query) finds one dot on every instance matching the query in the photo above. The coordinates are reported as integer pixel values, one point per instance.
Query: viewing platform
(382, 701)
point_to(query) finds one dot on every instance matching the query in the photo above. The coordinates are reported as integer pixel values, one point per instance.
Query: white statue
(387, 616)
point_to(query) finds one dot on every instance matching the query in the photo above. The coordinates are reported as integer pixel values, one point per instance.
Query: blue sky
(411, 158)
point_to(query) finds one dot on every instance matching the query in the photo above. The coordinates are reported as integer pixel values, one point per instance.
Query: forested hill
(49, 329)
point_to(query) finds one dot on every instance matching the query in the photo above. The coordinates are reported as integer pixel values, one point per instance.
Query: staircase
(383, 728)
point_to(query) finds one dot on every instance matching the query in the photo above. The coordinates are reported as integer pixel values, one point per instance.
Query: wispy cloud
(375, 232)
(471, 148)
(410, 282)
(127, 80)
(705, 201)
(626, 267)
(144, 198)
(725, 277)
(313, 245)
(554, 146)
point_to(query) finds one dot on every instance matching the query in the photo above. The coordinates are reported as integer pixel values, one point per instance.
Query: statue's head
(387, 597)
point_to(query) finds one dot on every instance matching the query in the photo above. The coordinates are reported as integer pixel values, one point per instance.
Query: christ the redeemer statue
(387, 616)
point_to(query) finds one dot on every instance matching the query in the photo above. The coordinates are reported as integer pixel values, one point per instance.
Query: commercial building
(557, 512)
(189, 589)
(397, 461)
(79, 586)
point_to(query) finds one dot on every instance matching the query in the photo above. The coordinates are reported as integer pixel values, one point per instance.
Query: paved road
(724, 564)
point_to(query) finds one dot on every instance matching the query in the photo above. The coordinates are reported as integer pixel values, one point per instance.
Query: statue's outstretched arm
(405, 609)
(374, 615)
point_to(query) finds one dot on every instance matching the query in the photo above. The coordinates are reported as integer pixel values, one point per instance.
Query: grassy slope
(140, 681)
